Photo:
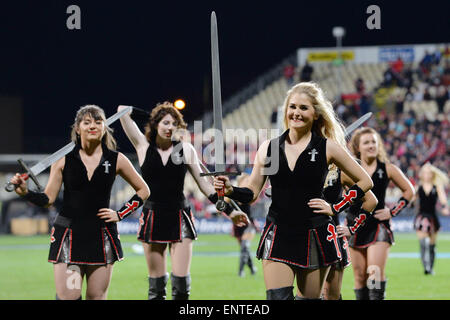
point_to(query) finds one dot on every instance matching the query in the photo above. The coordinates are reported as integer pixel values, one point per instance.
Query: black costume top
(166, 182)
(427, 202)
(83, 197)
(292, 190)
(293, 233)
(380, 183)
(78, 218)
(166, 210)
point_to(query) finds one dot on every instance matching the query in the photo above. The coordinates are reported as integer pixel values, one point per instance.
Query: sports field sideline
(25, 273)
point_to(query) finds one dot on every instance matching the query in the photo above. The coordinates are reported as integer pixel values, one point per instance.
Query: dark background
(143, 52)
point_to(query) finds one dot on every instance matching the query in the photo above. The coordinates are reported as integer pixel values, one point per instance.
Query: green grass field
(25, 273)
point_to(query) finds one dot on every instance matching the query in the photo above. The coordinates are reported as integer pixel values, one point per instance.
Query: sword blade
(352, 127)
(44, 164)
(47, 162)
(217, 96)
(118, 115)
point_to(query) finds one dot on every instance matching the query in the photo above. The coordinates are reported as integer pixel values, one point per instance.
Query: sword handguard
(28, 174)
(207, 173)
(223, 173)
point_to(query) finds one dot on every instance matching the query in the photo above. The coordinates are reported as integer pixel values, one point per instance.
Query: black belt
(63, 221)
(309, 223)
(66, 222)
(166, 205)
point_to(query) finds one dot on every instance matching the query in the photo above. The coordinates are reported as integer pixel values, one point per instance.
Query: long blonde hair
(356, 138)
(440, 178)
(96, 113)
(328, 124)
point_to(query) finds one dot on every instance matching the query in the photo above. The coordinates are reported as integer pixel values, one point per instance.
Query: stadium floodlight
(339, 33)
(179, 104)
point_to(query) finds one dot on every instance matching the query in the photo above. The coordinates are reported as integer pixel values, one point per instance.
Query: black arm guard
(243, 195)
(353, 194)
(132, 205)
(359, 221)
(214, 197)
(228, 209)
(401, 204)
(38, 198)
(139, 115)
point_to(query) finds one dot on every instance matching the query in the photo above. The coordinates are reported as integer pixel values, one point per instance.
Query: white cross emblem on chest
(176, 158)
(313, 153)
(380, 173)
(106, 164)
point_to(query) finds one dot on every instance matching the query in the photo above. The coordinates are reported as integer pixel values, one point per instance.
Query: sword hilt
(205, 170)
(28, 174)
(11, 186)
(220, 204)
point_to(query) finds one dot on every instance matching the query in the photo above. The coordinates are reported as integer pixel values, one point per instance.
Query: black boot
(362, 294)
(425, 254)
(432, 256)
(157, 287)
(245, 258)
(250, 265)
(284, 293)
(249, 257)
(242, 258)
(181, 287)
(378, 290)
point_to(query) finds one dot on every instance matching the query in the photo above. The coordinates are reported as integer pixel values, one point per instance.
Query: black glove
(139, 115)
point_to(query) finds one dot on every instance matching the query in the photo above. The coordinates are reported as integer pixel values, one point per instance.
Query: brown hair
(96, 113)
(355, 140)
(159, 112)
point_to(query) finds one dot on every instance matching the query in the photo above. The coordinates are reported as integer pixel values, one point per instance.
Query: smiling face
(368, 146)
(426, 174)
(166, 127)
(90, 129)
(300, 113)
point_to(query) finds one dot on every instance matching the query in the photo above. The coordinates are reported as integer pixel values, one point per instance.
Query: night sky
(143, 52)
